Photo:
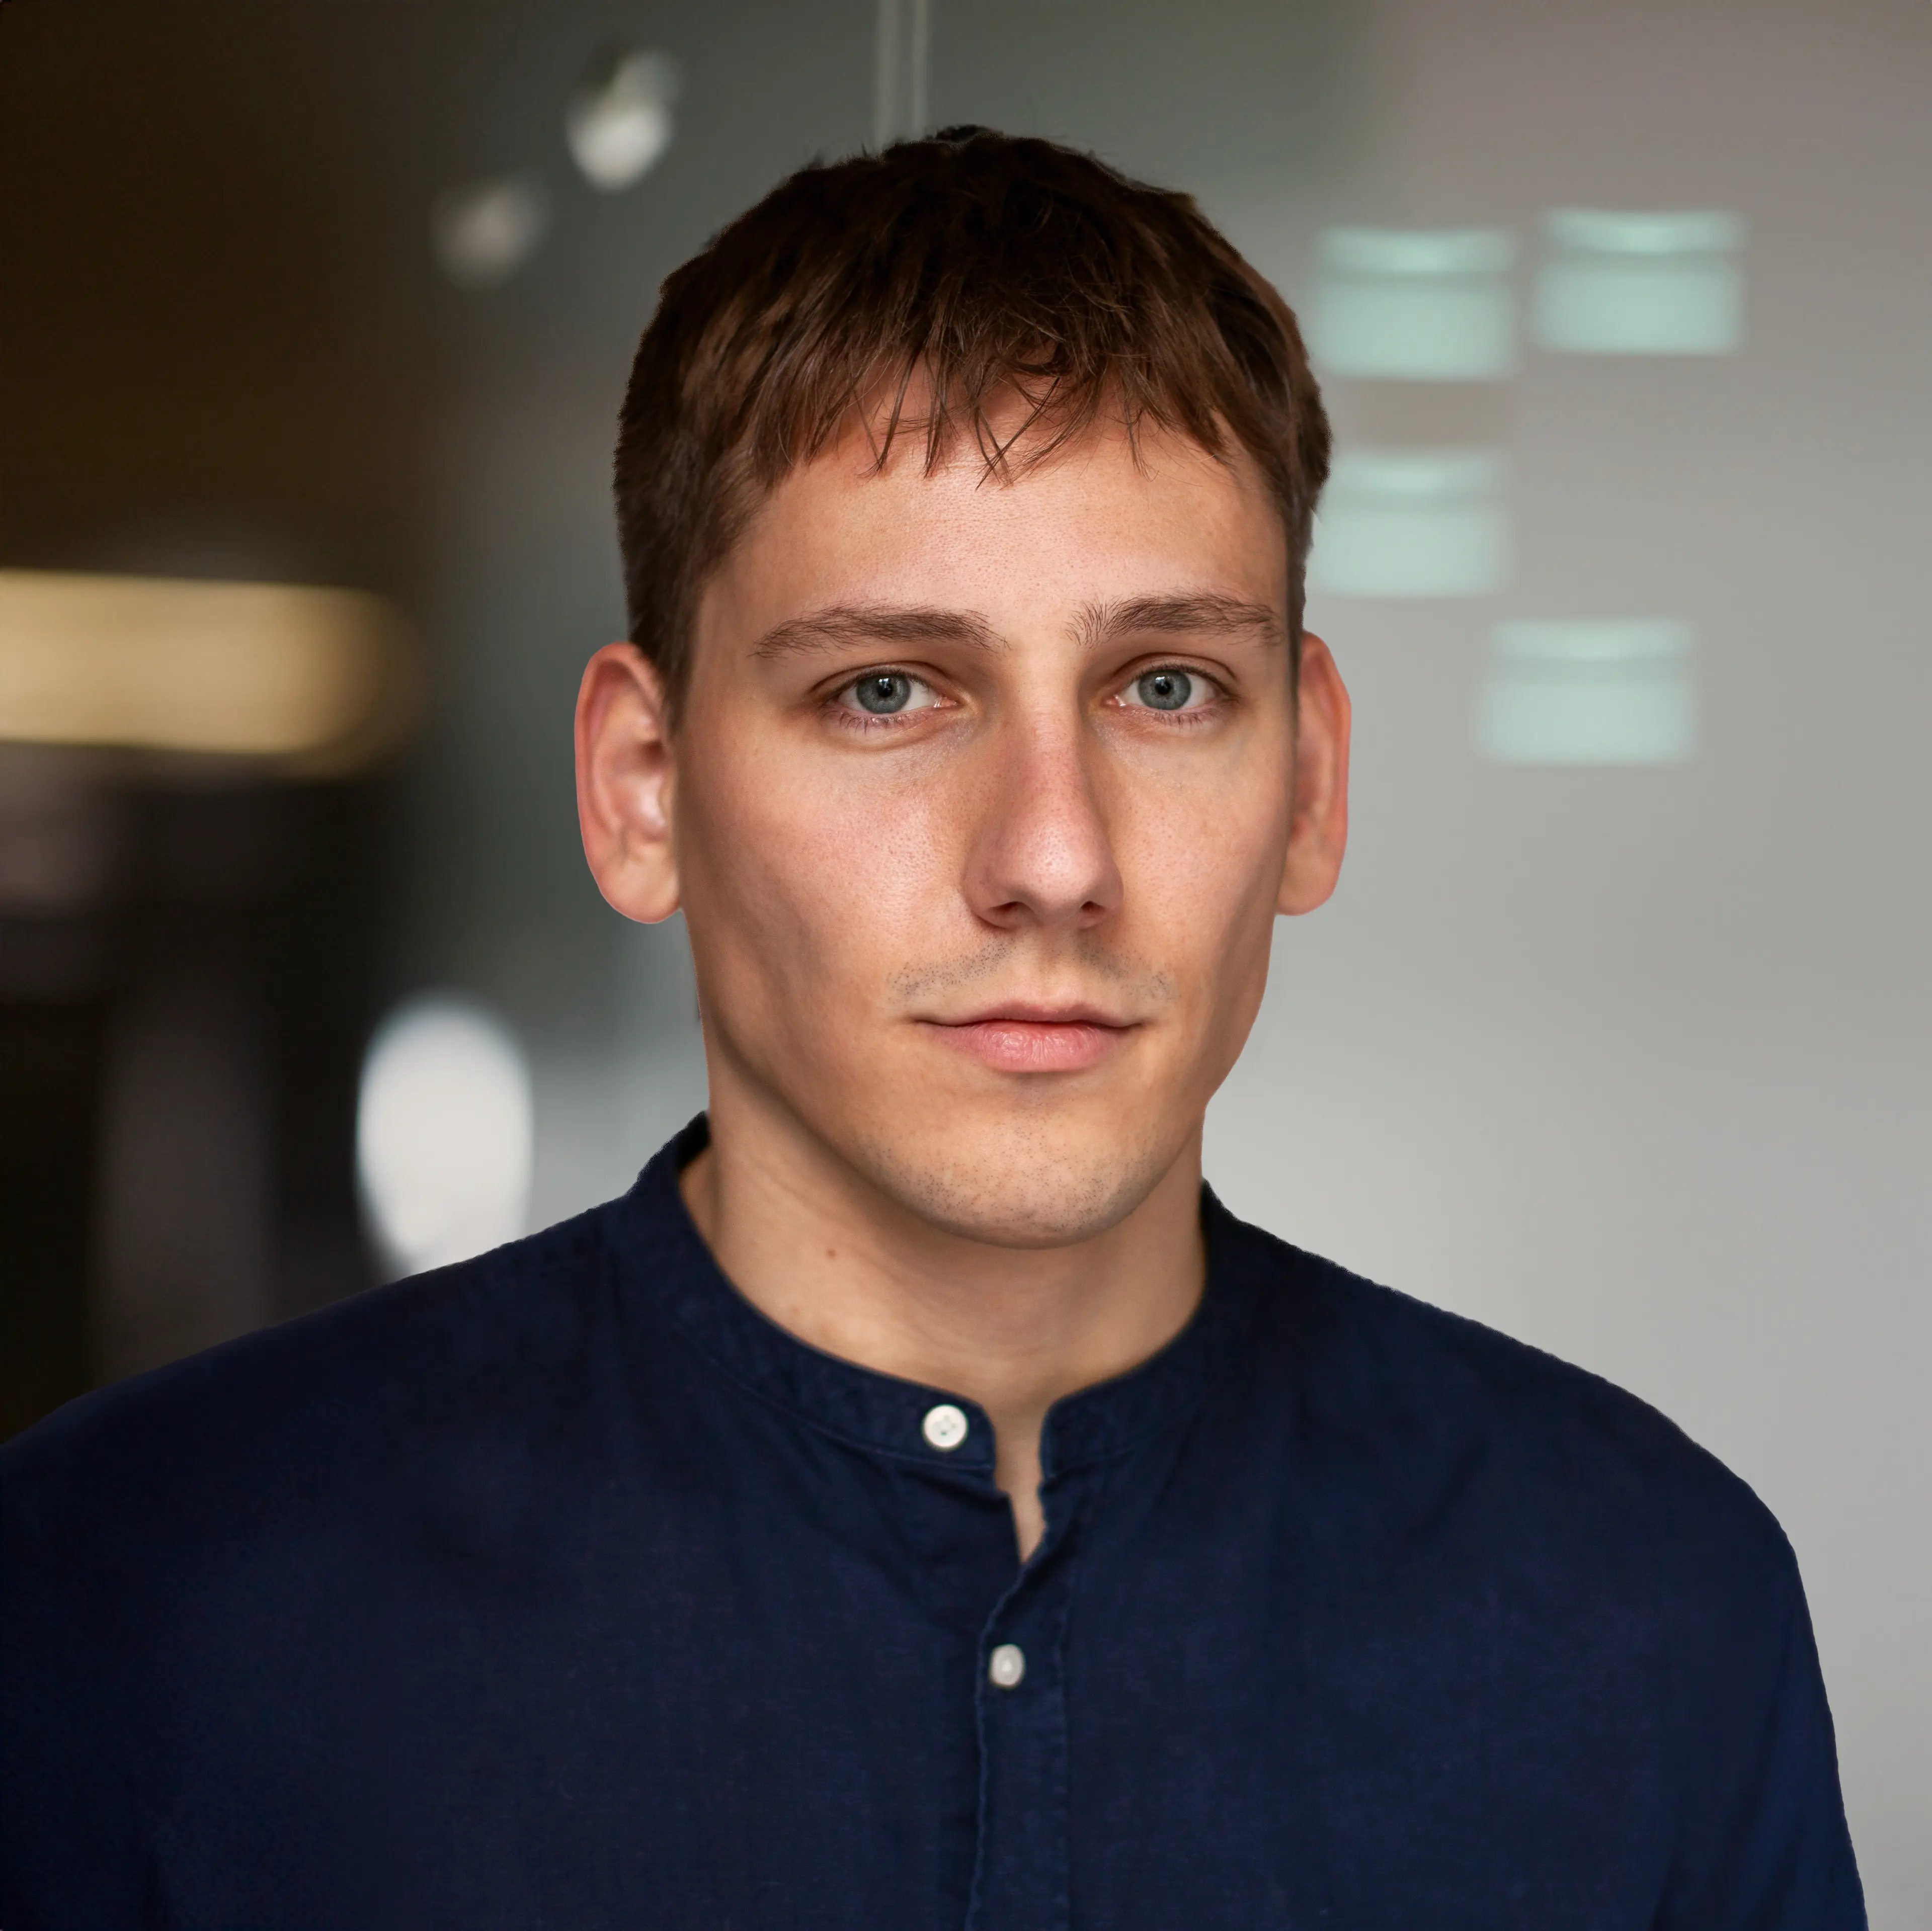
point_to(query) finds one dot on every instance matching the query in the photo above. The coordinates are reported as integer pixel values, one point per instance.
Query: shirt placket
(1020, 1876)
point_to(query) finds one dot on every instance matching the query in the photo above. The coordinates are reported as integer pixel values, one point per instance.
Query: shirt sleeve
(1764, 1846)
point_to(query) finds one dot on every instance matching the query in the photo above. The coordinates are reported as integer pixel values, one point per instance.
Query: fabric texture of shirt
(562, 1588)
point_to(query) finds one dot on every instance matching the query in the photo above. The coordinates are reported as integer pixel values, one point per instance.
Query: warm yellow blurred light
(320, 680)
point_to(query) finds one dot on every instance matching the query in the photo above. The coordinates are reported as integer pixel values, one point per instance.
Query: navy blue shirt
(563, 1588)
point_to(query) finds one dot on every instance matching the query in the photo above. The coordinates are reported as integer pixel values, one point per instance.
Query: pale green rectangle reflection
(1620, 691)
(1641, 284)
(1414, 522)
(1416, 304)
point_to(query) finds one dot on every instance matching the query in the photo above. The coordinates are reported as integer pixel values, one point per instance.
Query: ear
(625, 783)
(1318, 833)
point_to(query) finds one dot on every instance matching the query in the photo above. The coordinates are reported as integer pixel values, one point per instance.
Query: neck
(818, 1248)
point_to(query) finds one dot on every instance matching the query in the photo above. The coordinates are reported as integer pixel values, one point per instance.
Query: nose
(1042, 855)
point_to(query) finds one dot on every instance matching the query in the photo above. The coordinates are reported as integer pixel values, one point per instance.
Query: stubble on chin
(1027, 1183)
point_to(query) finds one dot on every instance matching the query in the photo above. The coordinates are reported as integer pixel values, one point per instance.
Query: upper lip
(1025, 1012)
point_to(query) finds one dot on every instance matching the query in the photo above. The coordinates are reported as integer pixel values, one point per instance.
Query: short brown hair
(991, 264)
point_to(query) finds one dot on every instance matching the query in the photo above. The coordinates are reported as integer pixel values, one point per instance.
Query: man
(918, 1502)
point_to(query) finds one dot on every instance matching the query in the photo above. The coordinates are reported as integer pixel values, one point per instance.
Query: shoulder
(296, 1422)
(1441, 1414)
(203, 1565)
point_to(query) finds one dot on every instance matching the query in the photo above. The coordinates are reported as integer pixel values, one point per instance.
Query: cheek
(818, 888)
(1201, 862)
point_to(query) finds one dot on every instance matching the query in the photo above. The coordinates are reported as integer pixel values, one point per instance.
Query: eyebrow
(841, 626)
(845, 625)
(1172, 616)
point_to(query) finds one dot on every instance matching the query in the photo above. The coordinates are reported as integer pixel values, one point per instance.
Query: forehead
(1105, 516)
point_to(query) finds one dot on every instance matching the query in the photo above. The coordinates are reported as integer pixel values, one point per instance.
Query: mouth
(1026, 1039)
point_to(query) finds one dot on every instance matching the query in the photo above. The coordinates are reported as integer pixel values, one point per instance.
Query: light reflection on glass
(1414, 522)
(1606, 692)
(1416, 304)
(1641, 284)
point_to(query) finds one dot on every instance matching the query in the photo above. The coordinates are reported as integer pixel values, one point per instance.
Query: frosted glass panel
(1414, 522)
(1658, 284)
(1616, 692)
(1416, 304)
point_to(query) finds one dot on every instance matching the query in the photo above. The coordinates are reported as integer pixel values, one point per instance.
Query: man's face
(981, 803)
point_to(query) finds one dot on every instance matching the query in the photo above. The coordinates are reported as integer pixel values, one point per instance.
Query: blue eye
(882, 692)
(1165, 690)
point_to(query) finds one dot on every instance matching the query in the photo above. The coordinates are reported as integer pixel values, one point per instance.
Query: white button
(1007, 1666)
(944, 1426)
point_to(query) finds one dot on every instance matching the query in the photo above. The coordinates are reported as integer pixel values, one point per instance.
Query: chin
(1018, 1182)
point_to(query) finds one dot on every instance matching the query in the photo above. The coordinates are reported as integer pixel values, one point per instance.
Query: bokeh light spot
(443, 1134)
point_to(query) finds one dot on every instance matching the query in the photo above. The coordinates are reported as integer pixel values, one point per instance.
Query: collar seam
(909, 1458)
(1183, 1410)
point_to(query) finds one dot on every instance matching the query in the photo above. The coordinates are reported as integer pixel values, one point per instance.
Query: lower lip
(1033, 1046)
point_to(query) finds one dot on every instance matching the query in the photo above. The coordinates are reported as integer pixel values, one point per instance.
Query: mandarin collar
(664, 1259)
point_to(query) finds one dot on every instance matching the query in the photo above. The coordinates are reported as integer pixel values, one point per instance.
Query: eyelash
(849, 718)
(1181, 719)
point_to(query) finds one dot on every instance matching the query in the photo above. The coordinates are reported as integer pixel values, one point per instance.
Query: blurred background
(316, 319)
